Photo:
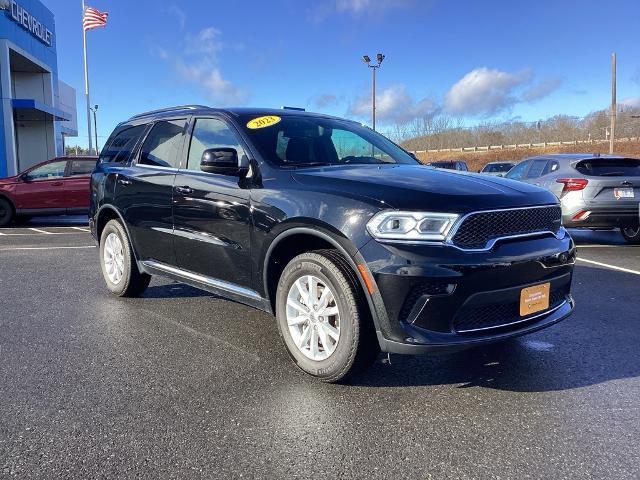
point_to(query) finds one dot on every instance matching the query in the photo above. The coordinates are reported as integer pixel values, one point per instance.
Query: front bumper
(436, 298)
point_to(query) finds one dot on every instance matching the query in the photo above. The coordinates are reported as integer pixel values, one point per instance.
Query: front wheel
(631, 234)
(118, 263)
(6, 212)
(322, 317)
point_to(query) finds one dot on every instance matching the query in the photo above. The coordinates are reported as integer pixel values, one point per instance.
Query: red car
(55, 187)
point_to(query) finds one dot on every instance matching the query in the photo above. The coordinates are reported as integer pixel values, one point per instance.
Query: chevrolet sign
(27, 21)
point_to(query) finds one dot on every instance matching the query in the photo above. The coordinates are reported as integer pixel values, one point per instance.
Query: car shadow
(597, 237)
(598, 343)
(56, 221)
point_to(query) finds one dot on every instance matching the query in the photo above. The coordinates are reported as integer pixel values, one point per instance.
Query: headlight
(420, 226)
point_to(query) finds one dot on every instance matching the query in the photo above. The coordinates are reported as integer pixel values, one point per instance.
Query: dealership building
(37, 110)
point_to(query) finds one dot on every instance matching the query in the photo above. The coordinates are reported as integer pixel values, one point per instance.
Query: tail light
(572, 184)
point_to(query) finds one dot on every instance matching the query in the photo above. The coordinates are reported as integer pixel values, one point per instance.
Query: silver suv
(596, 191)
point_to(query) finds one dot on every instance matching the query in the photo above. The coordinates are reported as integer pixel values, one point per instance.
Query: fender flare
(124, 224)
(352, 260)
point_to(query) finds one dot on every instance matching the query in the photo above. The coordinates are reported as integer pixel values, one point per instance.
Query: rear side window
(163, 145)
(610, 167)
(537, 167)
(119, 149)
(81, 167)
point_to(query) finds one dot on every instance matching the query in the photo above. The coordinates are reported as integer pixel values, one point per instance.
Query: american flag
(94, 18)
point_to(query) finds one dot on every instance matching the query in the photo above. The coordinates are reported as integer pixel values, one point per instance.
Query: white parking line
(41, 231)
(46, 248)
(82, 229)
(612, 267)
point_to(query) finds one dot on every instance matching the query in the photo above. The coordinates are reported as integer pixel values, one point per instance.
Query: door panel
(211, 212)
(144, 191)
(42, 188)
(76, 185)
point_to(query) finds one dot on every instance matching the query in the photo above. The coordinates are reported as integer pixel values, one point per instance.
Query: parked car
(343, 236)
(596, 191)
(460, 165)
(498, 169)
(55, 187)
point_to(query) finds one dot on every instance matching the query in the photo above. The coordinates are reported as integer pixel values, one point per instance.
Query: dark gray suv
(595, 191)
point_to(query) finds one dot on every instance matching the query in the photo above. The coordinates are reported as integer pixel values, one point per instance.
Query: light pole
(374, 67)
(95, 127)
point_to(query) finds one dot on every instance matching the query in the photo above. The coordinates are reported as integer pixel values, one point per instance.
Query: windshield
(498, 167)
(308, 141)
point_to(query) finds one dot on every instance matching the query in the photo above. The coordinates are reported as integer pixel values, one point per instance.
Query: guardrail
(523, 145)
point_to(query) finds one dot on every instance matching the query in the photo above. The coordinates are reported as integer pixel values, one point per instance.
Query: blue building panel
(27, 28)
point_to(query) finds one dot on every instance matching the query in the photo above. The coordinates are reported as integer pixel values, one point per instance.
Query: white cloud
(541, 89)
(393, 105)
(485, 91)
(321, 10)
(180, 15)
(196, 61)
(326, 100)
(632, 102)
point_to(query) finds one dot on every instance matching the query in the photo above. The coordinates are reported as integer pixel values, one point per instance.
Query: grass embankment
(476, 160)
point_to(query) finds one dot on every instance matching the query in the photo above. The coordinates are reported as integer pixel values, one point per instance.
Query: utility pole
(367, 60)
(614, 108)
(95, 126)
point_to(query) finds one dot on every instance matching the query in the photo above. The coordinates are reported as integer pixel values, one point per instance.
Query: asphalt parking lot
(183, 384)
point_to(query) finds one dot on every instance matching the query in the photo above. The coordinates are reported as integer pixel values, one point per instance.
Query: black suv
(340, 233)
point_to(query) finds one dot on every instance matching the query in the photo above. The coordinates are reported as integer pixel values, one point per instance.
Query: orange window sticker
(262, 122)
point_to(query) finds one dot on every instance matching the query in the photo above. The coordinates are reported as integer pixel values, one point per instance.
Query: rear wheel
(6, 212)
(118, 263)
(631, 234)
(322, 317)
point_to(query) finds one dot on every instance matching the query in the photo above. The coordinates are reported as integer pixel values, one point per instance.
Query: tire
(356, 347)
(121, 274)
(631, 234)
(6, 212)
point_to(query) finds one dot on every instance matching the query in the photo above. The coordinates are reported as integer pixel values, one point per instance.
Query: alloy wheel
(313, 317)
(113, 258)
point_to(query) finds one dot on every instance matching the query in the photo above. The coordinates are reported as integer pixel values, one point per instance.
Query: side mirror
(223, 161)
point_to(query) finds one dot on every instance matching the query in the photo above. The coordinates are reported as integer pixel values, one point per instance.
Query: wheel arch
(322, 236)
(107, 213)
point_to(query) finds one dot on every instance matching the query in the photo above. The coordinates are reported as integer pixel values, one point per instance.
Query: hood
(414, 187)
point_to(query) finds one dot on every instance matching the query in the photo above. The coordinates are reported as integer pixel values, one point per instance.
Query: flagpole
(86, 81)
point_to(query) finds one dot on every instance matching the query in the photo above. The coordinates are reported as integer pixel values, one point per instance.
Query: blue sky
(477, 60)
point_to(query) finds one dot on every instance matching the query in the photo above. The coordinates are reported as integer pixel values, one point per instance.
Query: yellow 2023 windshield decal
(262, 122)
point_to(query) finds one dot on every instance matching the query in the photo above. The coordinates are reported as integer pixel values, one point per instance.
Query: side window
(48, 172)
(211, 133)
(537, 167)
(81, 167)
(551, 167)
(517, 172)
(119, 148)
(163, 145)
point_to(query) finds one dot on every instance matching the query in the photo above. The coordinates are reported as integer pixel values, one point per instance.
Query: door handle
(186, 190)
(124, 181)
(56, 184)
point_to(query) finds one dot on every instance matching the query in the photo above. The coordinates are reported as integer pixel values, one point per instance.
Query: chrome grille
(478, 229)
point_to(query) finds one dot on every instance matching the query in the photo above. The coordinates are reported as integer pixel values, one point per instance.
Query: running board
(213, 285)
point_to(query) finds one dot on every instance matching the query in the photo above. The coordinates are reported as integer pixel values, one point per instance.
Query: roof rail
(167, 110)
